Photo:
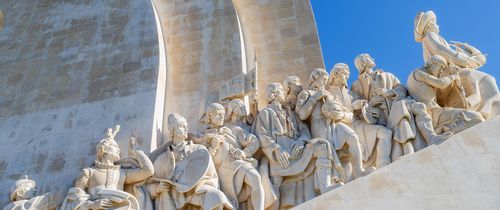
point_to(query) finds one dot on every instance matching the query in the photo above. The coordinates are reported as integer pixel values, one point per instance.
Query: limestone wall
(283, 36)
(461, 173)
(203, 46)
(68, 70)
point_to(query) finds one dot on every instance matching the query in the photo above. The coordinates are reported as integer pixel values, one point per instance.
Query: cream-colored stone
(185, 174)
(23, 197)
(472, 90)
(386, 100)
(425, 84)
(101, 186)
(294, 158)
(461, 181)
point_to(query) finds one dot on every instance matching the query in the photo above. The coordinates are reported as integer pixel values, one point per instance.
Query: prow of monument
(159, 105)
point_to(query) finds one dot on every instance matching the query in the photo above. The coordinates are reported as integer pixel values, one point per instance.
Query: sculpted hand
(239, 154)
(162, 187)
(389, 93)
(297, 152)
(283, 158)
(358, 104)
(375, 101)
(132, 146)
(454, 77)
(321, 94)
(338, 115)
(101, 204)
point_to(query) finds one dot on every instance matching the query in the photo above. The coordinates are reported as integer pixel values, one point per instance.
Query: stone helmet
(421, 21)
(175, 119)
(21, 186)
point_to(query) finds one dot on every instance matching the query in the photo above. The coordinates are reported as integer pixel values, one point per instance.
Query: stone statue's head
(425, 22)
(340, 74)
(364, 61)
(274, 91)
(236, 108)
(292, 85)
(107, 149)
(109, 133)
(215, 115)
(435, 65)
(177, 127)
(23, 189)
(318, 79)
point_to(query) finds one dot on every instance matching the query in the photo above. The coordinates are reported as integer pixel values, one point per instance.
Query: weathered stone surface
(68, 69)
(461, 173)
(203, 46)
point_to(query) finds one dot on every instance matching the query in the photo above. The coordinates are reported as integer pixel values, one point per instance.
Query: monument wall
(68, 70)
(203, 47)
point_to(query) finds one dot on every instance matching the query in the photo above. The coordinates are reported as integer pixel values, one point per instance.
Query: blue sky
(384, 29)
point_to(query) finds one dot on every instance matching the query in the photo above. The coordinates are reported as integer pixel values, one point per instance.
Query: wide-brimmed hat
(421, 21)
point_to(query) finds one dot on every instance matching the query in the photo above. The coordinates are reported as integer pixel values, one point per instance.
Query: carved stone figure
(300, 167)
(375, 140)
(292, 86)
(239, 178)
(408, 119)
(137, 189)
(185, 174)
(23, 197)
(476, 91)
(423, 84)
(337, 131)
(101, 186)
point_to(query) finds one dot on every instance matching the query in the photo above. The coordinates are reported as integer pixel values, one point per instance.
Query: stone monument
(257, 143)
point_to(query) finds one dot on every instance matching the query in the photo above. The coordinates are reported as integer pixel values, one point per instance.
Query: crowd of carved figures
(312, 137)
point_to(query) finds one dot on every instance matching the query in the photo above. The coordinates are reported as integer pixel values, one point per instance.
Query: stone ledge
(461, 173)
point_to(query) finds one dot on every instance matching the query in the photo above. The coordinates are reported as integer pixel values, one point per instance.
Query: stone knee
(384, 133)
(418, 108)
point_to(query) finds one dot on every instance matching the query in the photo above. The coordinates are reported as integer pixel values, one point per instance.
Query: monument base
(461, 173)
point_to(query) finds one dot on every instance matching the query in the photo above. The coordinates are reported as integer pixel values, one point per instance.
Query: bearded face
(342, 77)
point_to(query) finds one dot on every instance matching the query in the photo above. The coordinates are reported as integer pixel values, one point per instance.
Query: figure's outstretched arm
(435, 43)
(145, 170)
(433, 81)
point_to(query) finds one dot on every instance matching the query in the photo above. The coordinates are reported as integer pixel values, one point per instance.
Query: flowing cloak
(137, 189)
(231, 171)
(344, 129)
(299, 184)
(43, 202)
(321, 127)
(196, 172)
(481, 90)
